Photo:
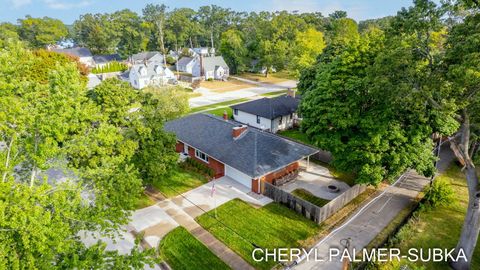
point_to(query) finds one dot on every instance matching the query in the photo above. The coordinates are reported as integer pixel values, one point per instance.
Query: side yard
(435, 228)
(242, 226)
(181, 250)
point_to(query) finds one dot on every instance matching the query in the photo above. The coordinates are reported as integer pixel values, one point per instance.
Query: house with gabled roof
(84, 55)
(149, 74)
(269, 114)
(245, 154)
(146, 57)
(186, 64)
(212, 67)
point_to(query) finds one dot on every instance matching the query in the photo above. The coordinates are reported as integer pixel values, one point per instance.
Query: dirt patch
(222, 87)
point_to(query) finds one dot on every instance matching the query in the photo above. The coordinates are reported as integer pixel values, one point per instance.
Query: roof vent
(238, 131)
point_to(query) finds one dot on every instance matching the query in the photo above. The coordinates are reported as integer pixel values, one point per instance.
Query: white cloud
(56, 4)
(20, 3)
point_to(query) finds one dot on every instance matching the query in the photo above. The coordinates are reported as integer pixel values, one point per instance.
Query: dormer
(158, 69)
(142, 71)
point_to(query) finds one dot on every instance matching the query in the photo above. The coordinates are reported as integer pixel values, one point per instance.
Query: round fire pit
(333, 188)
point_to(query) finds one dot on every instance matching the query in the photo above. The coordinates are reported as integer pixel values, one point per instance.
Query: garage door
(238, 176)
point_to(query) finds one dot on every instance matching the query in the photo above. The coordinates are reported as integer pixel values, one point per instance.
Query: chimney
(225, 115)
(239, 130)
(291, 92)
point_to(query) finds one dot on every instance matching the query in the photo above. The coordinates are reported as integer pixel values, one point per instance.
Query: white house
(213, 67)
(154, 74)
(270, 114)
(84, 55)
(186, 64)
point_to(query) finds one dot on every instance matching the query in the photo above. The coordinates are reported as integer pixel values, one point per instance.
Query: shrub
(110, 67)
(440, 193)
(210, 79)
(197, 166)
(170, 60)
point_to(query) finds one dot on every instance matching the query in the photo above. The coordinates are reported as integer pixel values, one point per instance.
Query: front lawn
(437, 228)
(178, 181)
(181, 250)
(220, 111)
(309, 197)
(144, 201)
(272, 226)
(219, 105)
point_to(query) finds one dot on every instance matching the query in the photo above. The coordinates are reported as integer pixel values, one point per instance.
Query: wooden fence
(307, 209)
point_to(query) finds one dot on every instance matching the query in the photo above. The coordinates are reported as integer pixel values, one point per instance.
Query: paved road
(370, 221)
(209, 98)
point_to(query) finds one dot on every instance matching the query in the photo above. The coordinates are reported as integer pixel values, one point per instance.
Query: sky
(69, 10)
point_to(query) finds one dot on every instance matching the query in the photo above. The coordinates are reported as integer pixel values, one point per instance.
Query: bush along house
(245, 154)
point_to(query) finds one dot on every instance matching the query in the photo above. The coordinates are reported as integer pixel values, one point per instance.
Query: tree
(338, 14)
(40, 32)
(214, 19)
(180, 27)
(52, 124)
(131, 32)
(233, 50)
(96, 32)
(8, 31)
(461, 67)
(308, 45)
(156, 16)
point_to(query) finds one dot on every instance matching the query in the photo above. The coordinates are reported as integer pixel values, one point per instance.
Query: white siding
(287, 122)
(238, 176)
(251, 120)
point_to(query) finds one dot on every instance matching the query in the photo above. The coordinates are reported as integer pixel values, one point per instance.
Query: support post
(308, 163)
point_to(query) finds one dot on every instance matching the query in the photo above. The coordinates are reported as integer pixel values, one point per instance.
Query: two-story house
(270, 114)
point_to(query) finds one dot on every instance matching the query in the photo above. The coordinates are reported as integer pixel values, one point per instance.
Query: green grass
(297, 135)
(220, 111)
(144, 201)
(218, 105)
(309, 197)
(181, 250)
(272, 226)
(439, 227)
(179, 181)
(274, 94)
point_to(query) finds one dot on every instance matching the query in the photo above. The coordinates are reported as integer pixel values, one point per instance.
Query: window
(291, 116)
(280, 120)
(235, 111)
(258, 119)
(200, 155)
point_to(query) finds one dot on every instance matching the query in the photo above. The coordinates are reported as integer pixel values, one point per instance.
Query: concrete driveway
(199, 200)
(315, 180)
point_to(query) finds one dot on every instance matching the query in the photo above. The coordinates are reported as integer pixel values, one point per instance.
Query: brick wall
(179, 147)
(216, 165)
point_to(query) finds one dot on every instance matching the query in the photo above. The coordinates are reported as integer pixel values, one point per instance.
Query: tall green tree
(96, 32)
(49, 122)
(308, 46)
(156, 15)
(462, 63)
(40, 32)
(232, 48)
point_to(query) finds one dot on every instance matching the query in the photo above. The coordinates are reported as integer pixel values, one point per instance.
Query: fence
(307, 209)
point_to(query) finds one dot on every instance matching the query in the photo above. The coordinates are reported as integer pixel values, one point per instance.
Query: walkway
(367, 222)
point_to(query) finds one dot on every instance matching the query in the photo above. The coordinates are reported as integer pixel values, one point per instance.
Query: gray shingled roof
(144, 56)
(270, 108)
(254, 153)
(150, 69)
(105, 58)
(184, 61)
(210, 63)
(77, 51)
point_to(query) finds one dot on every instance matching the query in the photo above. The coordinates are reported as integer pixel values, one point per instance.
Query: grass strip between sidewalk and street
(181, 250)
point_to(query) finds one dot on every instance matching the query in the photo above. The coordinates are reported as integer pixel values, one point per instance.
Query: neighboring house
(146, 57)
(256, 67)
(154, 74)
(186, 64)
(270, 114)
(103, 60)
(93, 81)
(84, 55)
(204, 51)
(213, 67)
(245, 154)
